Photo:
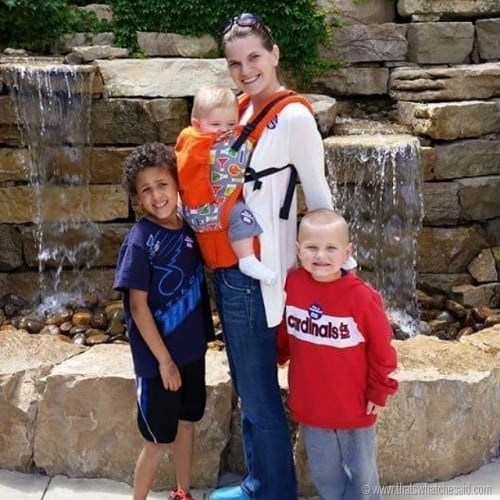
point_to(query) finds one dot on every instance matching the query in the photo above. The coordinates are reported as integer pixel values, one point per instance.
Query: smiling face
(157, 193)
(323, 247)
(218, 120)
(252, 66)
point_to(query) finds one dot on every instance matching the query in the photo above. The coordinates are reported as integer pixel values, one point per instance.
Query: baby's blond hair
(210, 97)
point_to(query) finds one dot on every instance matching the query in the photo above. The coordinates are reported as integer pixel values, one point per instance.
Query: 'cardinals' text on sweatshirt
(338, 340)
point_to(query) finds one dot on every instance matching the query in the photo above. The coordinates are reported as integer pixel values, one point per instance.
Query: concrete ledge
(71, 410)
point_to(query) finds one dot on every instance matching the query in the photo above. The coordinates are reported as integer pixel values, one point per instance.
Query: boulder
(137, 121)
(483, 267)
(107, 202)
(70, 410)
(463, 82)
(325, 111)
(161, 77)
(341, 12)
(368, 43)
(441, 204)
(353, 81)
(442, 283)
(69, 41)
(86, 425)
(477, 296)
(448, 249)
(445, 417)
(449, 8)
(175, 45)
(10, 248)
(488, 38)
(103, 12)
(89, 53)
(31, 284)
(110, 237)
(440, 43)
(478, 196)
(25, 360)
(451, 120)
(470, 158)
(12, 163)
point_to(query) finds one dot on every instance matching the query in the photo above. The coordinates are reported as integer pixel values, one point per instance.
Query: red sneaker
(180, 494)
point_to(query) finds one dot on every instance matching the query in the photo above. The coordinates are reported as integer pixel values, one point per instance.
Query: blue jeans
(251, 351)
(343, 463)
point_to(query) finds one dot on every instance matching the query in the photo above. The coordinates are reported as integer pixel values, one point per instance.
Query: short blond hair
(210, 97)
(324, 217)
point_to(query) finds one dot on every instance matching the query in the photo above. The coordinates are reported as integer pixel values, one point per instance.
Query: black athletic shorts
(159, 410)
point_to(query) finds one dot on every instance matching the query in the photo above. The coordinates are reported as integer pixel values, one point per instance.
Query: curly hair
(153, 154)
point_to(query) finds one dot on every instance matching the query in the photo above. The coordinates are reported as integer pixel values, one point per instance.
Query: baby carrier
(206, 207)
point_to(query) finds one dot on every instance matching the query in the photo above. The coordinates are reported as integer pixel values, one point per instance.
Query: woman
(250, 310)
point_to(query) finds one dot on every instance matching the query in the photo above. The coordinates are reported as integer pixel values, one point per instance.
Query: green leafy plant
(297, 25)
(82, 3)
(37, 26)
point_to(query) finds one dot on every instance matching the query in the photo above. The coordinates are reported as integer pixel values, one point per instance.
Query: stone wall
(436, 63)
(67, 409)
(439, 63)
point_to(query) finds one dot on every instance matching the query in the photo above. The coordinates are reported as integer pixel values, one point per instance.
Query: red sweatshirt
(338, 340)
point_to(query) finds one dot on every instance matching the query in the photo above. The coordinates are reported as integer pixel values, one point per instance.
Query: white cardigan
(292, 137)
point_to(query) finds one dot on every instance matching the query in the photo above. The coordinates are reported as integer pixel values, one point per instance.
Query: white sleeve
(307, 154)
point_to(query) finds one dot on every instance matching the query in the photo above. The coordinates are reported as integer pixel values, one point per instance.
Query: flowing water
(52, 103)
(376, 184)
(375, 180)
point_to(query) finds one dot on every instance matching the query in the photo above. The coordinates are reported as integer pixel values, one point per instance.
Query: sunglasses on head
(246, 20)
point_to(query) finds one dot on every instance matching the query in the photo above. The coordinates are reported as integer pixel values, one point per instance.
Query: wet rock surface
(448, 319)
(88, 321)
(92, 320)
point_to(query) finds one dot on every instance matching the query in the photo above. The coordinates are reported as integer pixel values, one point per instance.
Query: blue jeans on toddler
(251, 352)
(343, 462)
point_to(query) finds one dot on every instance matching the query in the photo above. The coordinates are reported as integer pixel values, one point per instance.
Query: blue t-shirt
(165, 263)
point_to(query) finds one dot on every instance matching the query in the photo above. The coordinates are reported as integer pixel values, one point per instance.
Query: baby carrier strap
(253, 130)
(268, 110)
(253, 175)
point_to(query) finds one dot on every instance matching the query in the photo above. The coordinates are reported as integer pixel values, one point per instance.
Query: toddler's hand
(373, 409)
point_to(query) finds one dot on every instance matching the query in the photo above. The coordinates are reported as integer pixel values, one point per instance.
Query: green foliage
(81, 3)
(297, 25)
(36, 26)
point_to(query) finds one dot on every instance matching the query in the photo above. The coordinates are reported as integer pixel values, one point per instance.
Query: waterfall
(376, 184)
(52, 103)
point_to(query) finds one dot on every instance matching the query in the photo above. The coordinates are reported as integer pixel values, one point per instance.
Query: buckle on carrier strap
(252, 175)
